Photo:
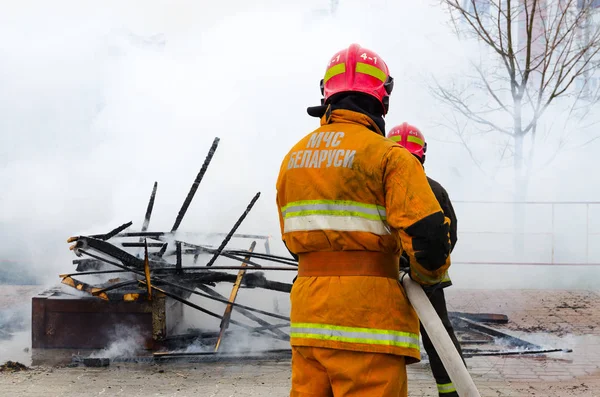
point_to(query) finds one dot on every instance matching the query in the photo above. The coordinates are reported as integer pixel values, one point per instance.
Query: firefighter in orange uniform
(350, 200)
(412, 139)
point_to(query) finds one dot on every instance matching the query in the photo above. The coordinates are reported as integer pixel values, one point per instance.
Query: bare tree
(535, 51)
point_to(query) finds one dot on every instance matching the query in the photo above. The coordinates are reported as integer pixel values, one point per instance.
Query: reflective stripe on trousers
(370, 336)
(342, 215)
(446, 388)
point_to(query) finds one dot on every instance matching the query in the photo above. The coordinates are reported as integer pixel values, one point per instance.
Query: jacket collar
(349, 116)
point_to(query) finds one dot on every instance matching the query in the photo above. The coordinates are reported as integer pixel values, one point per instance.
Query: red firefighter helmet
(358, 69)
(411, 138)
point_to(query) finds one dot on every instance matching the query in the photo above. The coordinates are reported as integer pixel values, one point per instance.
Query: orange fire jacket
(345, 196)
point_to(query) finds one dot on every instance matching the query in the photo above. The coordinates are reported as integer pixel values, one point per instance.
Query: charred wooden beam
(170, 234)
(232, 231)
(482, 317)
(192, 192)
(236, 286)
(477, 353)
(258, 280)
(84, 265)
(132, 244)
(90, 273)
(81, 286)
(147, 271)
(83, 242)
(468, 324)
(113, 232)
(149, 209)
(179, 259)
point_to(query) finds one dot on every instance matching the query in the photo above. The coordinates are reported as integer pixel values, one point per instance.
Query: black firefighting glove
(430, 241)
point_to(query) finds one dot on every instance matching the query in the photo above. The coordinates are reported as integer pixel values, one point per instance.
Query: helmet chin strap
(421, 160)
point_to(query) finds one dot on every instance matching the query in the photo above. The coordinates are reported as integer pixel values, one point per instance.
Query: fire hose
(439, 337)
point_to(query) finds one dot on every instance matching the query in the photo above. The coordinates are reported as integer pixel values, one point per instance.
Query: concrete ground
(553, 319)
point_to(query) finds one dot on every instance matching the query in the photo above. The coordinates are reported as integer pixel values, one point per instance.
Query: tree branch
(459, 105)
(490, 90)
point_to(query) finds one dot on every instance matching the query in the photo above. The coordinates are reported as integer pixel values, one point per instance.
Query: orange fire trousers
(322, 372)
